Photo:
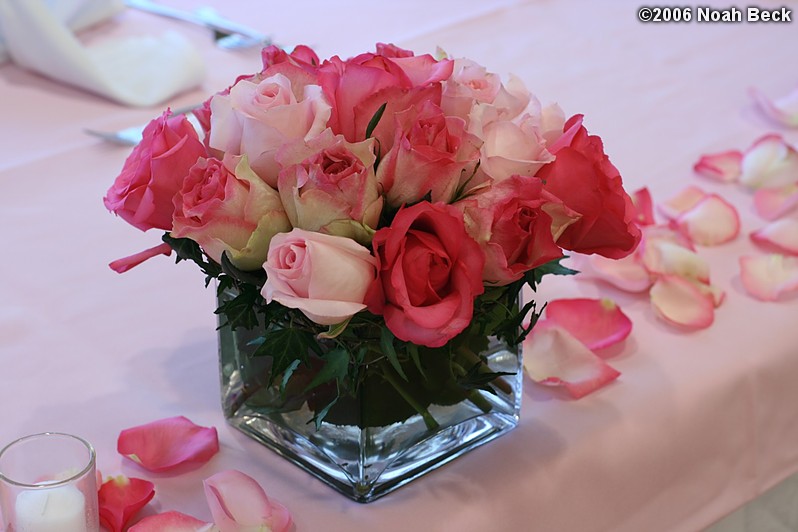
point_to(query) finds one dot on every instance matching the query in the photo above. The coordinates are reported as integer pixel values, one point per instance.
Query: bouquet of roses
(375, 216)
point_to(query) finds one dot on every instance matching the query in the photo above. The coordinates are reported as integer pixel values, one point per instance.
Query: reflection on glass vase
(390, 427)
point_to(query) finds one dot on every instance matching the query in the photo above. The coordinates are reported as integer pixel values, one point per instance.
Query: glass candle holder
(48, 484)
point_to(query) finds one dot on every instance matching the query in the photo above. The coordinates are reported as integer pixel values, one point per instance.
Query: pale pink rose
(512, 148)
(324, 276)
(430, 154)
(509, 104)
(142, 193)
(229, 211)
(256, 119)
(334, 190)
(470, 83)
(510, 223)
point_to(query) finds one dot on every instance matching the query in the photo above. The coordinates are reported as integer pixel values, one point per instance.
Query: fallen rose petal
(768, 277)
(124, 264)
(627, 273)
(167, 443)
(120, 498)
(682, 302)
(682, 202)
(783, 111)
(773, 203)
(552, 356)
(644, 206)
(597, 323)
(725, 167)
(712, 221)
(662, 257)
(237, 502)
(770, 162)
(781, 235)
(172, 522)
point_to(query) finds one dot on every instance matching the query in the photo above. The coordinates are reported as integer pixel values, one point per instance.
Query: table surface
(697, 424)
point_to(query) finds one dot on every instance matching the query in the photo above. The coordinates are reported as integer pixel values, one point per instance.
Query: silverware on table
(131, 136)
(229, 35)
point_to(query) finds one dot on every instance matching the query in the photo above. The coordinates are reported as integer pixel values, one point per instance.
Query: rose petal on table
(597, 323)
(120, 499)
(662, 257)
(124, 264)
(725, 167)
(711, 222)
(627, 273)
(683, 201)
(769, 162)
(237, 501)
(768, 277)
(782, 235)
(682, 302)
(172, 522)
(773, 203)
(553, 357)
(783, 111)
(644, 206)
(167, 443)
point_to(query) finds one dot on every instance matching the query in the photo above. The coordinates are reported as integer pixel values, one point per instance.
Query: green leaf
(412, 349)
(256, 278)
(187, 249)
(334, 331)
(287, 374)
(533, 277)
(321, 414)
(241, 310)
(386, 343)
(375, 120)
(478, 379)
(336, 364)
(285, 345)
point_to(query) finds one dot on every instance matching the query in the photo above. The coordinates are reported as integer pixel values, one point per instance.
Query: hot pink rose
(583, 177)
(430, 154)
(510, 223)
(229, 211)
(324, 276)
(358, 87)
(142, 194)
(430, 271)
(258, 117)
(334, 190)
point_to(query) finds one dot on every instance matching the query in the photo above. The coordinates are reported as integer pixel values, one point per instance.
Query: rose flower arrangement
(371, 222)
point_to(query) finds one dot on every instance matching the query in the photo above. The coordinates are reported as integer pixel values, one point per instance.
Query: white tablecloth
(698, 424)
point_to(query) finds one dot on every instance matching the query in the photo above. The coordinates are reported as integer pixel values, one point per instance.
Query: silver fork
(131, 136)
(229, 35)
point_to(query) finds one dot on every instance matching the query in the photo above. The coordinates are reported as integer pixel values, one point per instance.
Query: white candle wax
(61, 509)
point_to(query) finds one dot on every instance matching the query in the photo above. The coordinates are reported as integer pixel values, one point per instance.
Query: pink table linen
(698, 423)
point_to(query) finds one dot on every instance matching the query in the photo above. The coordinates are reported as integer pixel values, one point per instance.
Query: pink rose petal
(773, 203)
(712, 221)
(120, 499)
(597, 323)
(237, 501)
(627, 273)
(770, 162)
(768, 277)
(725, 167)
(167, 443)
(124, 264)
(782, 235)
(662, 257)
(552, 356)
(783, 111)
(682, 202)
(682, 302)
(644, 206)
(171, 522)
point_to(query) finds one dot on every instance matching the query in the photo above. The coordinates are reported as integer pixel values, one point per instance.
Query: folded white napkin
(140, 71)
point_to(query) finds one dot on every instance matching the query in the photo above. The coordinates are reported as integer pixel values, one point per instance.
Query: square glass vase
(373, 441)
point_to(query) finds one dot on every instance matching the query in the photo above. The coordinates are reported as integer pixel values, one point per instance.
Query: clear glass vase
(391, 431)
